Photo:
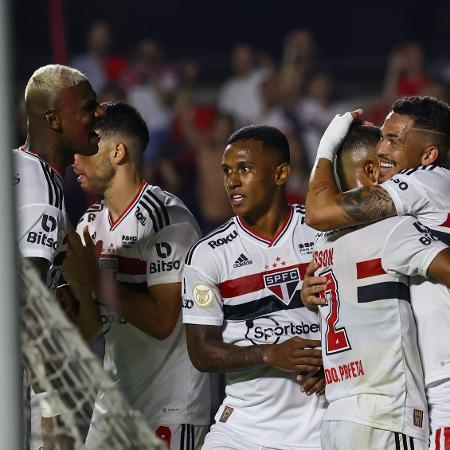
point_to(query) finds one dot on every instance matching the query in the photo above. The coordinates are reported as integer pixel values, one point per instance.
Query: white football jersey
(424, 192)
(249, 286)
(369, 344)
(146, 246)
(42, 221)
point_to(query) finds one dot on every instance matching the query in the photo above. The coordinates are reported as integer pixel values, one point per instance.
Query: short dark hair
(428, 113)
(354, 148)
(124, 119)
(271, 137)
(360, 137)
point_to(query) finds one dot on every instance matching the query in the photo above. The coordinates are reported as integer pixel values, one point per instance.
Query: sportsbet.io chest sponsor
(268, 330)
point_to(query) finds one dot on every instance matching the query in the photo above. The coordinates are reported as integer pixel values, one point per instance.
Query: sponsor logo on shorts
(222, 241)
(418, 418)
(227, 411)
(203, 295)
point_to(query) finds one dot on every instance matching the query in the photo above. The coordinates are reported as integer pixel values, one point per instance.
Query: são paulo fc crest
(283, 283)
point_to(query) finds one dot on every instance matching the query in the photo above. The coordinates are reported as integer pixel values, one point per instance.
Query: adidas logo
(242, 261)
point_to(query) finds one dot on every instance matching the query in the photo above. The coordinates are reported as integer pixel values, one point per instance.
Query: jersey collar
(42, 157)
(113, 223)
(248, 231)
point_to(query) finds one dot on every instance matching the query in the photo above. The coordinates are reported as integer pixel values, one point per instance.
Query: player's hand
(335, 133)
(312, 287)
(311, 383)
(294, 355)
(80, 265)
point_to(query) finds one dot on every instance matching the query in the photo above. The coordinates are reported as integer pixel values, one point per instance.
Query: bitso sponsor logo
(163, 249)
(222, 241)
(203, 295)
(42, 239)
(242, 261)
(267, 330)
(48, 223)
(163, 266)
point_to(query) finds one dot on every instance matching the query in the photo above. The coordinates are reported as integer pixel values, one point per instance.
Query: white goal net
(57, 361)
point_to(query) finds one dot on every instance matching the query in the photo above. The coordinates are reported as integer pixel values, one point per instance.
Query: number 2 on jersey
(336, 339)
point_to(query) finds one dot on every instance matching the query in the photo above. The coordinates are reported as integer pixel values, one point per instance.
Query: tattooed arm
(327, 208)
(209, 353)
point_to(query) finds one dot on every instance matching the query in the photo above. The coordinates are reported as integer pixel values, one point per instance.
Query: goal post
(59, 362)
(10, 371)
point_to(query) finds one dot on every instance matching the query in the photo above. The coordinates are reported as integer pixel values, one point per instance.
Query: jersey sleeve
(407, 193)
(410, 249)
(167, 251)
(202, 302)
(40, 228)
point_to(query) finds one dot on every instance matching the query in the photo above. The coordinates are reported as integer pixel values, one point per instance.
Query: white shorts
(221, 438)
(440, 438)
(345, 435)
(182, 437)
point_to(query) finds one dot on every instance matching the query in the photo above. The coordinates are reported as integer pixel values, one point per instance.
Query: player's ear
(119, 154)
(429, 156)
(372, 170)
(52, 119)
(282, 172)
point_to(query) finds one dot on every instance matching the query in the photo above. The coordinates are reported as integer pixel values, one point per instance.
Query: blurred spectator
(405, 75)
(240, 96)
(297, 62)
(316, 110)
(112, 92)
(97, 63)
(208, 147)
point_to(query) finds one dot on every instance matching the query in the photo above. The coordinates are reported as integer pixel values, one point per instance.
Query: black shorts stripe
(182, 439)
(405, 442)
(192, 438)
(161, 206)
(150, 214)
(260, 307)
(411, 443)
(222, 228)
(383, 291)
(397, 441)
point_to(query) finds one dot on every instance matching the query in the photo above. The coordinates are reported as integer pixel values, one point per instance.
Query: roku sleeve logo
(323, 258)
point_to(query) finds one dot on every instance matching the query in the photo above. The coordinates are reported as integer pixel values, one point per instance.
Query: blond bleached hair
(53, 77)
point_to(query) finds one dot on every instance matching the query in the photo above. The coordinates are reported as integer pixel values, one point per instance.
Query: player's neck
(121, 192)
(269, 223)
(48, 150)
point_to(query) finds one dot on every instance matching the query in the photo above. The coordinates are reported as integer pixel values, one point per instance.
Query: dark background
(348, 32)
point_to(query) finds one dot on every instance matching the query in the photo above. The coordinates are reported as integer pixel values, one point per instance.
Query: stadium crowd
(244, 160)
